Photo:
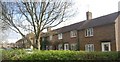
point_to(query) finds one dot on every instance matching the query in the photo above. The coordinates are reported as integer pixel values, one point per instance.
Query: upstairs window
(73, 33)
(60, 36)
(89, 32)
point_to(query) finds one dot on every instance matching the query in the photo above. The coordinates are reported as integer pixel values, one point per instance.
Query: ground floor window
(89, 47)
(106, 46)
(73, 46)
(60, 47)
(66, 46)
(50, 47)
(47, 47)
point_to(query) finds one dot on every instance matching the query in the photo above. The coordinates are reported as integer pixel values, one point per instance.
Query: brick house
(98, 34)
(23, 43)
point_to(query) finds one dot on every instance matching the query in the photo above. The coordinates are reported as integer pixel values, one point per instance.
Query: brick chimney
(89, 15)
(48, 29)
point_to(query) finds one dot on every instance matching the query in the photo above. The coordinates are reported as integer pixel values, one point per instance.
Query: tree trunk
(39, 45)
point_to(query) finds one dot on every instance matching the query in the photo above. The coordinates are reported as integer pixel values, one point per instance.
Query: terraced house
(98, 34)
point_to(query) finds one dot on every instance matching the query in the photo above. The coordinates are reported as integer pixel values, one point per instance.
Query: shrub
(10, 54)
(58, 55)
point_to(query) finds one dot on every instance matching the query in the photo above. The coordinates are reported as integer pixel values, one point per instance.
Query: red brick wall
(66, 39)
(101, 33)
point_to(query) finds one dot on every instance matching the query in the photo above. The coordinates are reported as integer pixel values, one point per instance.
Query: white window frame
(60, 47)
(109, 46)
(66, 48)
(73, 33)
(51, 37)
(89, 32)
(89, 47)
(60, 36)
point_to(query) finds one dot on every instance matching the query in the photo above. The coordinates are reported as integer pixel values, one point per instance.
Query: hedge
(58, 55)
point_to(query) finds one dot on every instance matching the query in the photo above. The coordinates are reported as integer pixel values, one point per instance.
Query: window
(89, 32)
(73, 46)
(73, 33)
(60, 36)
(60, 47)
(43, 39)
(89, 47)
(47, 47)
(66, 46)
(51, 37)
(50, 47)
(106, 46)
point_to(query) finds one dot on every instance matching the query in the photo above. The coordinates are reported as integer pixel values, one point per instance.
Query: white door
(106, 46)
(66, 46)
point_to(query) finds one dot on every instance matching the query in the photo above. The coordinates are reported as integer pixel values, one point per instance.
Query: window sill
(59, 39)
(73, 36)
(89, 36)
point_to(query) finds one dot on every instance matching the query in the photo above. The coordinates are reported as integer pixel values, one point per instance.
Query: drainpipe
(78, 41)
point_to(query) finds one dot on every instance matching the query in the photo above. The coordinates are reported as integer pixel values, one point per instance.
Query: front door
(66, 46)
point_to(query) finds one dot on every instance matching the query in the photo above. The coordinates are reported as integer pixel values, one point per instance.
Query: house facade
(23, 43)
(99, 34)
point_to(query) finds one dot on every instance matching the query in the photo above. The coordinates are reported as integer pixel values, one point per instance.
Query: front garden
(58, 55)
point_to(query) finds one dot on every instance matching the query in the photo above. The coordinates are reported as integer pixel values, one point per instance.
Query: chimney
(48, 29)
(89, 15)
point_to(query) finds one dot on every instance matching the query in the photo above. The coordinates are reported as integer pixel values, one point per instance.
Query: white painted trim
(116, 34)
(109, 45)
(65, 48)
(60, 36)
(91, 32)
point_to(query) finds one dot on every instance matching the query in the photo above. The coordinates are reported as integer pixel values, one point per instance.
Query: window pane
(106, 47)
(89, 32)
(89, 47)
(73, 46)
(60, 36)
(60, 47)
(73, 33)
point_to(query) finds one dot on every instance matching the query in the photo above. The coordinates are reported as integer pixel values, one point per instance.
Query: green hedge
(58, 55)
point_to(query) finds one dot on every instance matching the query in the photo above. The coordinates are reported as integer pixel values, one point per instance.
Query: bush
(12, 54)
(58, 55)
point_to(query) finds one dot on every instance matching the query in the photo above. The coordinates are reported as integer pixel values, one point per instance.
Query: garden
(22, 54)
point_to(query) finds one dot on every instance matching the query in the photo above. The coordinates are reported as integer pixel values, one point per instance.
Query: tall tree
(35, 16)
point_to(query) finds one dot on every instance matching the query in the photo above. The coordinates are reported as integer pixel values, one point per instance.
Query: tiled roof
(69, 27)
(103, 20)
(107, 19)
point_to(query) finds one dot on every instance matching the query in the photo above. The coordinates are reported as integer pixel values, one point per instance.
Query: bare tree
(4, 27)
(35, 16)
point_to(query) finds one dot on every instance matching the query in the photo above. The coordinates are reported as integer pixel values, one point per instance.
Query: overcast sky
(97, 7)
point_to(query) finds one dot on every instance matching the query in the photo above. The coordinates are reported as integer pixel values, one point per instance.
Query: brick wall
(101, 33)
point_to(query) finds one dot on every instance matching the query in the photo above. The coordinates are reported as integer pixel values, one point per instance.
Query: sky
(97, 7)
